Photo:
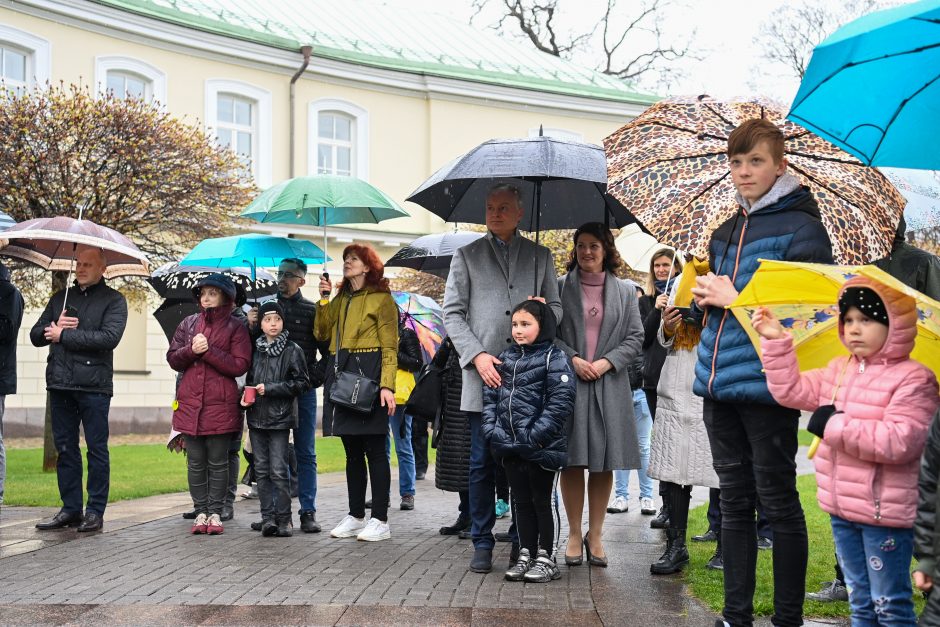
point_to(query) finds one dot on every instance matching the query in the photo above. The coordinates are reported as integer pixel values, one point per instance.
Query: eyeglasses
(283, 274)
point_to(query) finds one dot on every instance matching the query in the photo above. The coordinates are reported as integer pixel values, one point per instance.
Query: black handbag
(352, 390)
(425, 399)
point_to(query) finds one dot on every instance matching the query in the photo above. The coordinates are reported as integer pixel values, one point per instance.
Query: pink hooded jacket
(868, 461)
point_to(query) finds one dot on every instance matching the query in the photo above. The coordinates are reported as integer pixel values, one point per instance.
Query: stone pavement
(145, 568)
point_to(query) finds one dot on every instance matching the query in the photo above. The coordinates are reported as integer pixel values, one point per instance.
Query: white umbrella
(637, 248)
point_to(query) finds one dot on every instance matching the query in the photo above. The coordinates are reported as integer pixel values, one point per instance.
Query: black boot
(461, 524)
(661, 521)
(676, 555)
(717, 562)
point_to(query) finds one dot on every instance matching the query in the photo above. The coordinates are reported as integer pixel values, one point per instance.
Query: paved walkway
(145, 568)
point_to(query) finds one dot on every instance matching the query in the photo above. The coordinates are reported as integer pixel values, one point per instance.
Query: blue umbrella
(252, 250)
(873, 87)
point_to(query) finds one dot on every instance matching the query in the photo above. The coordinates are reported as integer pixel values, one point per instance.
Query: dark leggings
(679, 497)
(530, 486)
(207, 463)
(359, 448)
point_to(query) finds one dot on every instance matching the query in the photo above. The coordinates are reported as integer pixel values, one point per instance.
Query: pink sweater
(592, 298)
(867, 463)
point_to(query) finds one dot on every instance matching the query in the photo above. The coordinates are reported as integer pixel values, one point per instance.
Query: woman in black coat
(452, 466)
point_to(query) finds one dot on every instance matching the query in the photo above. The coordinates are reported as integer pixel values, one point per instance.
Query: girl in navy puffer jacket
(524, 423)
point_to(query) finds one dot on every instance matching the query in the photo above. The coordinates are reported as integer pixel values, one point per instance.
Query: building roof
(377, 35)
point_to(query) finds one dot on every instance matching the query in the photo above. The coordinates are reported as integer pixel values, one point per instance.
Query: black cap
(270, 306)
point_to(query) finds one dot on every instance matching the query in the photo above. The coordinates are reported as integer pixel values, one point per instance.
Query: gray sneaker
(408, 502)
(830, 591)
(521, 567)
(543, 569)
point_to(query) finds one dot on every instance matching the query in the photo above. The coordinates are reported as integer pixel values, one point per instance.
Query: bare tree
(632, 45)
(790, 33)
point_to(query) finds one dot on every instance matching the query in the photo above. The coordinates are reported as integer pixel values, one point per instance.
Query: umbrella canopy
(921, 189)
(6, 221)
(51, 243)
(323, 200)
(804, 296)
(172, 312)
(637, 248)
(567, 180)
(432, 253)
(253, 250)
(176, 282)
(669, 165)
(423, 316)
(872, 87)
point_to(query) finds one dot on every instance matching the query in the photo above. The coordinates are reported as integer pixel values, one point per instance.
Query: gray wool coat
(602, 430)
(482, 288)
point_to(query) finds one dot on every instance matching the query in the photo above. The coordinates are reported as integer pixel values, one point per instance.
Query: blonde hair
(651, 278)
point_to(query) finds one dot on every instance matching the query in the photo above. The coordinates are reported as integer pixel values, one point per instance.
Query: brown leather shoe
(91, 522)
(60, 521)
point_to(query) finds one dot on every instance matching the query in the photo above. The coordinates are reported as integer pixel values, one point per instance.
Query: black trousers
(207, 463)
(360, 448)
(764, 529)
(754, 454)
(531, 488)
(419, 444)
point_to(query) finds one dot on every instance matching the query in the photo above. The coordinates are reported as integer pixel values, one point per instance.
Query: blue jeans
(90, 410)
(876, 562)
(305, 449)
(269, 448)
(644, 426)
(406, 456)
(483, 488)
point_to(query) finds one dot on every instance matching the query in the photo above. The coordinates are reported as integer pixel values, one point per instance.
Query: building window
(24, 59)
(334, 143)
(127, 77)
(240, 117)
(339, 138)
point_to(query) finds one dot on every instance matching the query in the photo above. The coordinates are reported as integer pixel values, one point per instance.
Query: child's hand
(766, 325)
(260, 388)
(242, 401)
(923, 581)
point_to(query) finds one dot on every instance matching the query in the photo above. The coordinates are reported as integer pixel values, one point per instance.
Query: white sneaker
(376, 530)
(348, 527)
(647, 507)
(618, 506)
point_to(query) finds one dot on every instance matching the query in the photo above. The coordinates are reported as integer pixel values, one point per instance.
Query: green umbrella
(323, 200)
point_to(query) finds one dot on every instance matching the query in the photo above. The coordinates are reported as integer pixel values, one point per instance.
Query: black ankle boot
(661, 521)
(716, 562)
(676, 555)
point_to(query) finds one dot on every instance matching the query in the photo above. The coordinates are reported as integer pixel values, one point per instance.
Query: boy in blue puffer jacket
(524, 424)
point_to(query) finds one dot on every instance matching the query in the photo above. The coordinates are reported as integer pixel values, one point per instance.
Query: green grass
(804, 437)
(137, 470)
(707, 585)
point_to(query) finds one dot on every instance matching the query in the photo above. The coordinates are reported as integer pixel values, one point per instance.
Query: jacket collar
(784, 185)
(91, 288)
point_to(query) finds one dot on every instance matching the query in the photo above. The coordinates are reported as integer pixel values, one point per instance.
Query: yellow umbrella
(803, 296)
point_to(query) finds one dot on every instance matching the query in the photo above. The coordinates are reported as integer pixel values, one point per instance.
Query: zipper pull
(861, 366)
(877, 509)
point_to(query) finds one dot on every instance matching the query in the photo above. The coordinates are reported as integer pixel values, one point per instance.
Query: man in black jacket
(82, 333)
(11, 316)
(299, 314)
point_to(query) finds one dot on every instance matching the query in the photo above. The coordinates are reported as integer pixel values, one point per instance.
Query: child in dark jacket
(278, 375)
(926, 529)
(524, 424)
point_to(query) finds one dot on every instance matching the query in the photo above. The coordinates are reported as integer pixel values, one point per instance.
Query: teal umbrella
(323, 200)
(872, 88)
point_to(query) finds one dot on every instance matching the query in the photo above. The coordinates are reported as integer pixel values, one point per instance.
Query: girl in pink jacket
(872, 410)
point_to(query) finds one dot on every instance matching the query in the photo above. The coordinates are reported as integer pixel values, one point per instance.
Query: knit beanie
(218, 280)
(866, 300)
(270, 306)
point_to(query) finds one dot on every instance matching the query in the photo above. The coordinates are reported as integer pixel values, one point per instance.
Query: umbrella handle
(812, 447)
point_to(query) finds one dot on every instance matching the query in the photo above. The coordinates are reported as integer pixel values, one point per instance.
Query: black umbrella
(432, 253)
(172, 312)
(564, 183)
(176, 282)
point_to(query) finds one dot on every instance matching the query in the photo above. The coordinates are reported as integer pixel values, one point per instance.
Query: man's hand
(486, 366)
(714, 291)
(67, 322)
(923, 581)
(585, 369)
(253, 317)
(661, 301)
(602, 366)
(200, 344)
(53, 333)
(671, 318)
(766, 325)
(538, 298)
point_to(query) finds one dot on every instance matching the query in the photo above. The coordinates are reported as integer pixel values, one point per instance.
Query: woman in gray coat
(602, 333)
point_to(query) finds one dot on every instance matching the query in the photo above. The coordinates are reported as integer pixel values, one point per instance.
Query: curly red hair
(375, 277)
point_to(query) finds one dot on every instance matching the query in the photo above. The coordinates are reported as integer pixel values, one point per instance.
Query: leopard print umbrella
(668, 167)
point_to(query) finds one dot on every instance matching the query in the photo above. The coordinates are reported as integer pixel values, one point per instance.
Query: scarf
(273, 349)
(661, 285)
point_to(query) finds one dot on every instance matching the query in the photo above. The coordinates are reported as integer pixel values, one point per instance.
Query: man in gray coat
(487, 279)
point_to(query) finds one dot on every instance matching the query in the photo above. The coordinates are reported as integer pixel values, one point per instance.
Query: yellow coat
(373, 324)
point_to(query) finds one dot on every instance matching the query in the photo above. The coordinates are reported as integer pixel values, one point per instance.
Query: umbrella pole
(537, 209)
(325, 255)
(68, 279)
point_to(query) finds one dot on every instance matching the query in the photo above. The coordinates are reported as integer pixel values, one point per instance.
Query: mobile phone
(325, 294)
(71, 312)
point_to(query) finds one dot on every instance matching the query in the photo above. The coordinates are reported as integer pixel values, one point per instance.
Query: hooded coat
(868, 461)
(525, 416)
(207, 396)
(785, 225)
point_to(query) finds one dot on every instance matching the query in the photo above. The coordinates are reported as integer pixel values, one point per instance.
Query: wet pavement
(145, 568)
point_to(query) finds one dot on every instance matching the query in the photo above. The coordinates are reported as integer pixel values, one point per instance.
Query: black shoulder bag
(352, 390)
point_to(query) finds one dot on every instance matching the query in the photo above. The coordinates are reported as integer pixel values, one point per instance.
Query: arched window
(240, 117)
(339, 139)
(24, 59)
(126, 77)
